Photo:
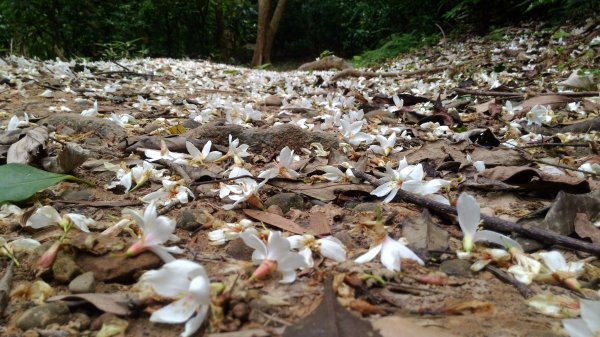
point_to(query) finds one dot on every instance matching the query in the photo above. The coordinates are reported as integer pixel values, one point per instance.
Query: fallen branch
(5, 283)
(493, 223)
(520, 95)
(370, 74)
(522, 288)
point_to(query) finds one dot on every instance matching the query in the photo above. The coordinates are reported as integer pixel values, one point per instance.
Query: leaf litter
(471, 116)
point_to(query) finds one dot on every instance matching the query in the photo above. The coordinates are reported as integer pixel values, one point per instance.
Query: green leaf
(19, 181)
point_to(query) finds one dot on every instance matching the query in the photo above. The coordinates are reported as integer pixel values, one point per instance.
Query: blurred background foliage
(225, 30)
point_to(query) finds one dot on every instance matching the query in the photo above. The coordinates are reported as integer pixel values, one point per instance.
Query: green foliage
(391, 48)
(19, 181)
(117, 50)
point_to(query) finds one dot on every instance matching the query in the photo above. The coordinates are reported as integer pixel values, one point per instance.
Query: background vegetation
(226, 29)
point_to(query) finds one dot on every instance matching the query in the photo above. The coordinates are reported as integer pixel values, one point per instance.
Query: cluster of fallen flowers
(338, 113)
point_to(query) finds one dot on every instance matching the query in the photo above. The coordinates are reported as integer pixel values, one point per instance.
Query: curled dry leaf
(115, 303)
(27, 149)
(68, 159)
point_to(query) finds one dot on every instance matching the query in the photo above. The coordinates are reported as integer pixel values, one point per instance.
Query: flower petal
(291, 261)
(577, 328)
(590, 313)
(277, 246)
(332, 248)
(81, 221)
(176, 312)
(192, 325)
(288, 276)
(554, 260)
(468, 214)
(369, 255)
(253, 241)
(43, 217)
(497, 238)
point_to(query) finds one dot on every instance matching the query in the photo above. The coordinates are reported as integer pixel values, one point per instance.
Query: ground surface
(177, 100)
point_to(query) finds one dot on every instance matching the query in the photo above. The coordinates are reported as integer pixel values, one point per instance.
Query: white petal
(391, 196)
(81, 221)
(43, 217)
(577, 328)
(192, 325)
(176, 312)
(277, 246)
(23, 245)
(307, 254)
(468, 214)
(590, 313)
(200, 289)
(384, 189)
(332, 248)
(288, 276)
(251, 240)
(369, 255)
(158, 231)
(554, 260)
(161, 252)
(296, 241)
(291, 261)
(497, 238)
(192, 150)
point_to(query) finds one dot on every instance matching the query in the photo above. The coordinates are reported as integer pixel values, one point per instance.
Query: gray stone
(64, 268)
(187, 220)
(43, 315)
(84, 283)
(368, 207)
(286, 201)
(456, 267)
(273, 100)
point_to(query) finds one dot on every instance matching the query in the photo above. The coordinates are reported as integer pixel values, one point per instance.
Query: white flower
(334, 174)
(170, 192)
(275, 255)
(47, 216)
(121, 120)
(510, 110)
(491, 80)
(409, 178)
(526, 268)
(283, 169)
(386, 145)
(164, 153)
(539, 114)
(352, 133)
(138, 174)
(206, 155)
(47, 93)
(566, 273)
(589, 323)
(91, 112)
(15, 122)
(398, 104)
(392, 252)
(479, 165)
(469, 216)
(186, 281)
(230, 231)
(7, 210)
(156, 230)
(18, 245)
(236, 151)
(328, 247)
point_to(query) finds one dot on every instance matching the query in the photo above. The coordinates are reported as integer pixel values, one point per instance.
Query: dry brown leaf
(330, 319)
(114, 303)
(473, 306)
(585, 228)
(396, 326)
(276, 220)
(555, 101)
(69, 158)
(319, 224)
(26, 150)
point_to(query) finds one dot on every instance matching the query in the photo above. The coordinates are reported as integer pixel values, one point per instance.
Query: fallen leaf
(396, 326)
(114, 303)
(561, 216)
(276, 220)
(554, 101)
(20, 181)
(536, 180)
(319, 224)
(423, 234)
(473, 306)
(330, 319)
(69, 158)
(26, 150)
(585, 228)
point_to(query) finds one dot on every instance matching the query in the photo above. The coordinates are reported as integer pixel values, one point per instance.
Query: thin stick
(554, 145)
(493, 223)
(506, 278)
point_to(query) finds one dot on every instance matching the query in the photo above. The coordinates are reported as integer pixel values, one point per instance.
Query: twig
(516, 94)
(554, 145)
(119, 203)
(5, 286)
(178, 169)
(506, 278)
(224, 180)
(122, 66)
(369, 74)
(168, 208)
(493, 223)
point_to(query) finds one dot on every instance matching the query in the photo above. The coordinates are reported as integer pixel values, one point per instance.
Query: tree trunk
(220, 32)
(261, 31)
(273, 26)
